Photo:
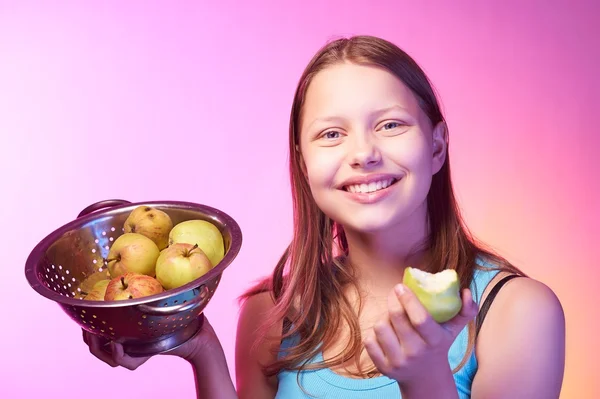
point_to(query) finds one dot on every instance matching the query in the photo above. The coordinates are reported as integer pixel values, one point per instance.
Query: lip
(370, 198)
(368, 179)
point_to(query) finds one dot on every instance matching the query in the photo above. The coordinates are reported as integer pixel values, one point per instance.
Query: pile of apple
(153, 256)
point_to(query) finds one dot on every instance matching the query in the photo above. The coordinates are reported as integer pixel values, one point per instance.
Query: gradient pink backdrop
(190, 101)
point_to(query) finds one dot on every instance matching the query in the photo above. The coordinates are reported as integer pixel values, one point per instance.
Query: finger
(375, 352)
(95, 344)
(388, 342)
(418, 317)
(467, 312)
(121, 358)
(405, 331)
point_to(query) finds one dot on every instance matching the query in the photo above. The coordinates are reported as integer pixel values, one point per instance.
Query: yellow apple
(90, 281)
(98, 292)
(132, 286)
(132, 252)
(150, 222)
(438, 292)
(202, 233)
(181, 263)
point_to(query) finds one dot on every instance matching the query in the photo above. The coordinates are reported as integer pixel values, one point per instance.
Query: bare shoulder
(521, 345)
(523, 288)
(523, 296)
(254, 349)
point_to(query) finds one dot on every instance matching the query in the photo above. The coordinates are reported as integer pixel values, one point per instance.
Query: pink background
(190, 101)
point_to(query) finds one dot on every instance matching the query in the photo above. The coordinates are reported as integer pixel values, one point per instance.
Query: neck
(380, 258)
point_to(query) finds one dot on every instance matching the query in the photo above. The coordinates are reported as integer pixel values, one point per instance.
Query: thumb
(467, 312)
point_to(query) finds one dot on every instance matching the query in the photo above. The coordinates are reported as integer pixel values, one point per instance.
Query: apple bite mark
(438, 292)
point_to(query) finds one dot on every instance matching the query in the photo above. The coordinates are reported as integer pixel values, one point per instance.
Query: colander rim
(36, 255)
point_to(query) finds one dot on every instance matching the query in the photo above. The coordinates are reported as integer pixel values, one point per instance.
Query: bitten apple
(438, 292)
(181, 263)
(150, 222)
(132, 286)
(132, 252)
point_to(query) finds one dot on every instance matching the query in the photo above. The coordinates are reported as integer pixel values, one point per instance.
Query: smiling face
(369, 150)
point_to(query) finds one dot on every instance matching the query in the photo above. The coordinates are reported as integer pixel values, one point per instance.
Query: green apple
(132, 286)
(202, 233)
(150, 222)
(180, 264)
(98, 292)
(132, 252)
(438, 292)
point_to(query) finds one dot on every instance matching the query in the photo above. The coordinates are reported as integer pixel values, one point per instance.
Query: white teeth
(369, 188)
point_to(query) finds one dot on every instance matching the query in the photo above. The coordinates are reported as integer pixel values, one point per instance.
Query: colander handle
(198, 301)
(101, 205)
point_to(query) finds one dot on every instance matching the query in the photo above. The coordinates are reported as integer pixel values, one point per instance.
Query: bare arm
(212, 378)
(251, 382)
(521, 347)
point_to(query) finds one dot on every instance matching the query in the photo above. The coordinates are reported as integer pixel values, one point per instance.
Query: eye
(331, 135)
(391, 125)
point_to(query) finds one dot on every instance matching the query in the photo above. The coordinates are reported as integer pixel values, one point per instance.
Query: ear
(440, 146)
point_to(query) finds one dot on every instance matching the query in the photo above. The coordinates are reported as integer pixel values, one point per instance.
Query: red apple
(132, 286)
(181, 263)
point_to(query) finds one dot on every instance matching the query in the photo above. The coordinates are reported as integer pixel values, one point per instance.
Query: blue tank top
(324, 383)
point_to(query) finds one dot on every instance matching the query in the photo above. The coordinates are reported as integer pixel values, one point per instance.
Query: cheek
(321, 168)
(413, 154)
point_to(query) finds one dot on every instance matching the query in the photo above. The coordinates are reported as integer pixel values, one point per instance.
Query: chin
(367, 221)
(380, 218)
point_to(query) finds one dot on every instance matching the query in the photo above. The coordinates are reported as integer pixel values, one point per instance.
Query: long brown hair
(307, 285)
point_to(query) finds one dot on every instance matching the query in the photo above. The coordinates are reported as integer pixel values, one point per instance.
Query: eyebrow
(375, 114)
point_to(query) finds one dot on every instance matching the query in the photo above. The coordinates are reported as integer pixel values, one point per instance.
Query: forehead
(353, 91)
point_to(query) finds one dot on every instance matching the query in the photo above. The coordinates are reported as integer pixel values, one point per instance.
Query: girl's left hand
(409, 345)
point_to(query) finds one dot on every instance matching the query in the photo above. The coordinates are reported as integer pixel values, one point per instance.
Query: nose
(365, 152)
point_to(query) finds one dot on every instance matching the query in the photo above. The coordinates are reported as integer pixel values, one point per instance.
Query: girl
(372, 195)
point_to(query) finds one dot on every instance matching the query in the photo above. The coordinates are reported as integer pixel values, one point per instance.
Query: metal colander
(145, 326)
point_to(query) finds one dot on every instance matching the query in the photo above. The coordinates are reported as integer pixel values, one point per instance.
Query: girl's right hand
(112, 353)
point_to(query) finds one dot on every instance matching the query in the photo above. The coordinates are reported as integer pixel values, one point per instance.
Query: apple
(202, 233)
(132, 286)
(438, 292)
(98, 292)
(181, 263)
(90, 281)
(150, 222)
(132, 252)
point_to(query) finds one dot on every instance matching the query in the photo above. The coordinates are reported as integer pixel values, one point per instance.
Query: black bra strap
(489, 299)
